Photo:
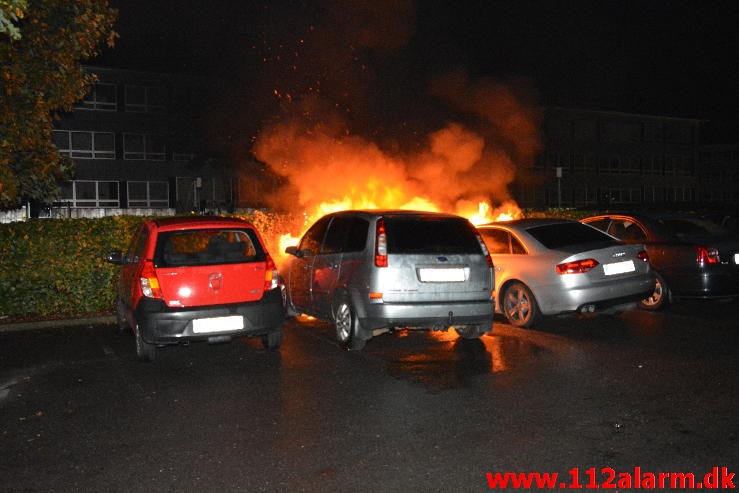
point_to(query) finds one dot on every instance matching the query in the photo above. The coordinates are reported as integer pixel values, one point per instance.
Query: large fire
(480, 213)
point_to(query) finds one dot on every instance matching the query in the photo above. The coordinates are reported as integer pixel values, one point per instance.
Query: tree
(42, 44)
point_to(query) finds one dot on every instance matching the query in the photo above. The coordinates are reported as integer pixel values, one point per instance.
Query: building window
(145, 99)
(89, 193)
(182, 156)
(102, 97)
(85, 145)
(652, 165)
(140, 146)
(148, 194)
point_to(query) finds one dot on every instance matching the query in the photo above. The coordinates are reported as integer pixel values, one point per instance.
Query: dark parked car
(692, 257)
(197, 279)
(549, 266)
(372, 271)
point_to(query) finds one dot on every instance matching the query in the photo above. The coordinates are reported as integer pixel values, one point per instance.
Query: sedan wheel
(519, 306)
(347, 326)
(659, 298)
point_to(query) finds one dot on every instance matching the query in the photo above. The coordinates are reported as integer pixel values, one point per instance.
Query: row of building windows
(80, 144)
(617, 164)
(137, 99)
(568, 197)
(614, 130)
(101, 193)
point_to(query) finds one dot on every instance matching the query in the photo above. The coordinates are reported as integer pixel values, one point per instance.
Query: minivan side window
(346, 234)
(314, 237)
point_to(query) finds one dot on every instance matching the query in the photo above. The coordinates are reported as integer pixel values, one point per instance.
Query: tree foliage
(40, 74)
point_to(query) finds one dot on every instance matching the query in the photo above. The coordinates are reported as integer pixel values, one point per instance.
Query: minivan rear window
(434, 235)
(207, 247)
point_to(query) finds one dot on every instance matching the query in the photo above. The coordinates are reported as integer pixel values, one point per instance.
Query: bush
(57, 268)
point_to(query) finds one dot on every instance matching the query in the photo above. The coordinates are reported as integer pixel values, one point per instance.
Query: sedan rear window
(561, 235)
(431, 235)
(207, 247)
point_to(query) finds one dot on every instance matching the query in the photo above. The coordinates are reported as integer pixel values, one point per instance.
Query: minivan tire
(469, 331)
(347, 326)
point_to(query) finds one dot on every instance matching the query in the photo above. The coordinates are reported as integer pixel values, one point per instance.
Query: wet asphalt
(413, 411)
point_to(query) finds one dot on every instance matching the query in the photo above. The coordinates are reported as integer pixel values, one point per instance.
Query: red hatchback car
(198, 279)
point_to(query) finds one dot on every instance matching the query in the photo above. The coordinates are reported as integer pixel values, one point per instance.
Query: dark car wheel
(469, 331)
(144, 350)
(273, 338)
(659, 298)
(519, 306)
(347, 326)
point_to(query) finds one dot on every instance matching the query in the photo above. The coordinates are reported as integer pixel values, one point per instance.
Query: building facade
(600, 159)
(137, 142)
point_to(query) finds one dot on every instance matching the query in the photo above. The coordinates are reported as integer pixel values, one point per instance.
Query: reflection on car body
(692, 257)
(548, 266)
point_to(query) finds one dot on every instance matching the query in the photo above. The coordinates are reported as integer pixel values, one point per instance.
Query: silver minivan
(373, 271)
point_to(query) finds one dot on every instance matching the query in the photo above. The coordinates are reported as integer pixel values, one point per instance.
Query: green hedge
(57, 268)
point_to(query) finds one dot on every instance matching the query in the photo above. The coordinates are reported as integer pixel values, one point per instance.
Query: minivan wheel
(519, 305)
(272, 339)
(144, 350)
(659, 298)
(468, 331)
(347, 326)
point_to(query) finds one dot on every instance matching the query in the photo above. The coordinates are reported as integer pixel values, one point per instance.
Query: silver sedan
(549, 266)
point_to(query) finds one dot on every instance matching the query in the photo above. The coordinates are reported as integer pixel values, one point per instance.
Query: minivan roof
(392, 212)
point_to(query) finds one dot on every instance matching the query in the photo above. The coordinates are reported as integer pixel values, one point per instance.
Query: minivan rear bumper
(159, 324)
(427, 315)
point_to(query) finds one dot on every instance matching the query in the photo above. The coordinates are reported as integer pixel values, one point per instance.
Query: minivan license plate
(441, 275)
(217, 324)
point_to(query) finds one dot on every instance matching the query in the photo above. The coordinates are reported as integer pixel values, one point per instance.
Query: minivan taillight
(707, 255)
(271, 277)
(149, 282)
(577, 267)
(484, 250)
(380, 244)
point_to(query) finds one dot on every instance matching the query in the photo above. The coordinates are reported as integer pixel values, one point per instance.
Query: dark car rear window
(207, 247)
(565, 234)
(431, 235)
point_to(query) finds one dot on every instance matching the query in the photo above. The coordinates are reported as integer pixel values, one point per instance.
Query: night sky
(377, 59)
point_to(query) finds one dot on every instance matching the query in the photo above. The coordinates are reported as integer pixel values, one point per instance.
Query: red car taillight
(643, 256)
(149, 282)
(271, 277)
(577, 267)
(380, 244)
(707, 256)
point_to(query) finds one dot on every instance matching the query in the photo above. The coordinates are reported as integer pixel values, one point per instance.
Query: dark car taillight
(577, 267)
(380, 244)
(271, 277)
(149, 282)
(707, 255)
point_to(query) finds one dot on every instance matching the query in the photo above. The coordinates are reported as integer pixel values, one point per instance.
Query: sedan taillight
(577, 267)
(707, 255)
(643, 256)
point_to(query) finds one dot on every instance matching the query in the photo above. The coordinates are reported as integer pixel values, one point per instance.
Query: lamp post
(559, 187)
